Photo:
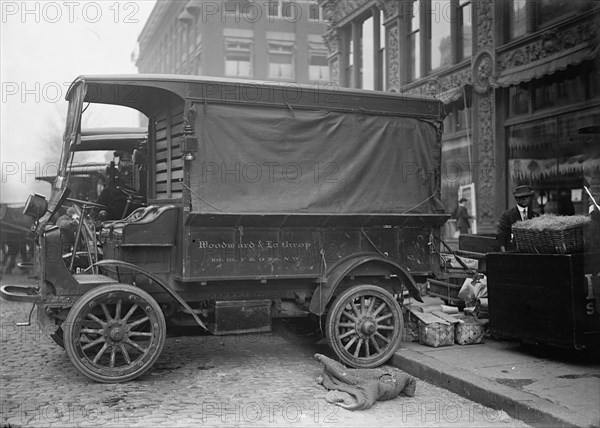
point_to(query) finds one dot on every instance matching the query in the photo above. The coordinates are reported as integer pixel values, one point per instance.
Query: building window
(516, 19)
(198, 54)
(183, 46)
(439, 20)
(465, 34)
(414, 43)
(364, 52)
(562, 89)
(238, 58)
(523, 16)
(318, 68)
(273, 9)
(549, 94)
(281, 60)
(381, 63)
(283, 9)
(348, 57)
(289, 10)
(366, 48)
(550, 11)
(518, 97)
(314, 12)
(438, 34)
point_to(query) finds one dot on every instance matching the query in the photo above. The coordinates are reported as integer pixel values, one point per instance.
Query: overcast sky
(44, 46)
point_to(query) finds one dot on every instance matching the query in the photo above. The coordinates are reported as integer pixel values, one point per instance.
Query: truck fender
(337, 272)
(157, 280)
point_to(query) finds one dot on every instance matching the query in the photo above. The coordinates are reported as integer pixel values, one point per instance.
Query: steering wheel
(131, 194)
(87, 204)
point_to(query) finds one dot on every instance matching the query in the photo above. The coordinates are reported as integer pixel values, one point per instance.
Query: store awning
(545, 66)
(456, 94)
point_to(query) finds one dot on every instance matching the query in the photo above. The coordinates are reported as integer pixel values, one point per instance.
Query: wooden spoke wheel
(364, 326)
(114, 333)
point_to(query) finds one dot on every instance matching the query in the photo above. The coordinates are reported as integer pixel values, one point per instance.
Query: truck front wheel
(364, 326)
(114, 333)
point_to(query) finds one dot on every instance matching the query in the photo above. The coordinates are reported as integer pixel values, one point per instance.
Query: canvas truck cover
(268, 159)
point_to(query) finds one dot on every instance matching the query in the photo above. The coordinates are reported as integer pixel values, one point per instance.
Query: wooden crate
(544, 298)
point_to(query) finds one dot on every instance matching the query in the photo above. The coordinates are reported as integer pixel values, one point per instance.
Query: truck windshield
(72, 127)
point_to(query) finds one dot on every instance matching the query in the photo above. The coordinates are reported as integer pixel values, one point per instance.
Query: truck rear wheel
(364, 326)
(114, 333)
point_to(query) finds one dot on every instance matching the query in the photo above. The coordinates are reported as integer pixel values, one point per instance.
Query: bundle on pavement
(435, 328)
(359, 389)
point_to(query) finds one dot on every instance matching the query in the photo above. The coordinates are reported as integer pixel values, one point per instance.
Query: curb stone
(521, 405)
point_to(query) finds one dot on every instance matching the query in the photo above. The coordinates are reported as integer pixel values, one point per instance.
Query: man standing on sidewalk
(522, 211)
(462, 217)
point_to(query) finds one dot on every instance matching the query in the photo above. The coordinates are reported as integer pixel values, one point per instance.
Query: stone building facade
(276, 40)
(520, 80)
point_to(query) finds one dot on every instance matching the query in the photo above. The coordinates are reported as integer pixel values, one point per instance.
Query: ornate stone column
(487, 183)
(331, 38)
(391, 21)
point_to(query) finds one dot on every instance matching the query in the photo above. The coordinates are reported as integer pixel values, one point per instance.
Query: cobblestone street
(250, 380)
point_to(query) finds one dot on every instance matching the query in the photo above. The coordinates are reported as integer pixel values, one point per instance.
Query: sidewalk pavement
(540, 385)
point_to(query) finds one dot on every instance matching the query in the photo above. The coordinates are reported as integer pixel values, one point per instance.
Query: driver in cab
(113, 199)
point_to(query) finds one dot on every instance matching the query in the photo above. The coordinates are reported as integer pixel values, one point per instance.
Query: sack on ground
(473, 289)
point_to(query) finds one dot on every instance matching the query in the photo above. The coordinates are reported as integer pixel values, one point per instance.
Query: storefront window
(456, 169)
(518, 100)
(556, 160)
(556, 93)
(593, 79)
(569, 124)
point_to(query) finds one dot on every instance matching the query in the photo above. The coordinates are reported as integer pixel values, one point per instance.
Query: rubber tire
(70, 330)
(333, 316)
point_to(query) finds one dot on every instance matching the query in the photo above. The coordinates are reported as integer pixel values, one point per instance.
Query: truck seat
(154, 225)
(108, 226)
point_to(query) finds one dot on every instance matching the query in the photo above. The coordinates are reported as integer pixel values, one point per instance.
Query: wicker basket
(469, 331)
(571, 239)
(436, 334)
